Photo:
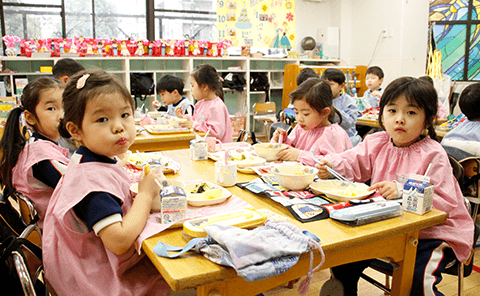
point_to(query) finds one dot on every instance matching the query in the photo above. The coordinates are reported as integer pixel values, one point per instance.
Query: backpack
(141, 84)
(233, 81)
(259, 82)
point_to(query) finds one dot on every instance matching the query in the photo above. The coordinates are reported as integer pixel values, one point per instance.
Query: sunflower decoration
(288, 5)
(291, 37)
(264, 8)
(267, 39)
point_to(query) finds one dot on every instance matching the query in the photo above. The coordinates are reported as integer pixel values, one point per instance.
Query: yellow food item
(213, 194)
(146, 169)
(350, 191)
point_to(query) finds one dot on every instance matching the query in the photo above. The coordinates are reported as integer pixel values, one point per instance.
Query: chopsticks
(334, 173)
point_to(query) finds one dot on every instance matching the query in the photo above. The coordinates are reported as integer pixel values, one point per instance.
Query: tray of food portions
(205, 193)
(139, 160)
(165, 129)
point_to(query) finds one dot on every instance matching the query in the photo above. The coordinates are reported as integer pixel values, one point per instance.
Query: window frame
(468, 23)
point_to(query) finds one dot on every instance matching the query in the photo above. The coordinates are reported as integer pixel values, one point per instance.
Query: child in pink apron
(409, 106)
(33, 167)
(315, 134)
(210, 114)
(93, 221)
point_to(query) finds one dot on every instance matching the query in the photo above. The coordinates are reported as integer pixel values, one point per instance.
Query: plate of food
(138, 160)
(205, 193)
(164, 129)
(338, 190)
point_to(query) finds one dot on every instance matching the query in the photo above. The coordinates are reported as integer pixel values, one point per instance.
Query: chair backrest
(24, 259)
(268, 107)
(471, 170)
(27, 210)
(457, 169)
(274, 126)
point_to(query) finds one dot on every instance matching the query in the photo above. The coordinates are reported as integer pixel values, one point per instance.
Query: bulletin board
(257, 23)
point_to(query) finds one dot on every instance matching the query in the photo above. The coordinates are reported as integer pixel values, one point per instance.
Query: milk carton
(198, 149)
(418, 194)
(174, 204)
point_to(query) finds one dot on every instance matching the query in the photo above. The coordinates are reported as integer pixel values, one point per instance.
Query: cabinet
(236, 101)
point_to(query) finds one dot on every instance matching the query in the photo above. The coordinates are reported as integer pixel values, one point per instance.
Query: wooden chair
(265, 112)
(471, 182)
(29, 216)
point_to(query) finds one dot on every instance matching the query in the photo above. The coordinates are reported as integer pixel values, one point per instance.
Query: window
(120, 19)
(451, 23)
(186, 19)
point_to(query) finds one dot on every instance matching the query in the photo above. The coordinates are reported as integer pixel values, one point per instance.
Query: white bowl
(175, 121)
(294, 176)
(268, 150)
(155, 114)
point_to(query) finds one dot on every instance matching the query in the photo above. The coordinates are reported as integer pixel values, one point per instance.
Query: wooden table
(148, 142)
(374, 123)
(394, 238)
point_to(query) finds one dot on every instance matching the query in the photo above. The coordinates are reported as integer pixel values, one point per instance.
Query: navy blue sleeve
(96, 206)
(46, 172)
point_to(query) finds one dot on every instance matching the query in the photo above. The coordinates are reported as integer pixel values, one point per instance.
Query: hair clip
(82, 80)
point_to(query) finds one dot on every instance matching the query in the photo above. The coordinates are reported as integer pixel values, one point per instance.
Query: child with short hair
(344, 103)
(373, 79)
(466, 136)
(64, 68)
(211, 114)
(34, 166)
(170, 88)
(306, 73)
(92, 221)
(408, 106)
(315, 133)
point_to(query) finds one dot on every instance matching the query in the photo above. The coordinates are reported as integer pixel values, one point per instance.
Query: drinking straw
(208, 131)
(428, 169)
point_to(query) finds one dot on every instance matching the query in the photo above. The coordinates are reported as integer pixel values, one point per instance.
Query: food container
(268, 151)
(225, 173)
(173, 204)
(175, 121)
(246, 218)
(294, 176)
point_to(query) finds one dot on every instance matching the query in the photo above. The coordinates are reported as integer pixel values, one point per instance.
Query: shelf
(236, 101)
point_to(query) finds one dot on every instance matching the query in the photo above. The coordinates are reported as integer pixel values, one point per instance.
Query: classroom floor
(448, 285)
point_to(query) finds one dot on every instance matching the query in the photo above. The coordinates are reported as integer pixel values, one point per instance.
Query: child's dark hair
(170, 83)
(93, 82)
(14, 139)
(469, 101)
(375, 70)
(306, 73)
(415, 92)
(206, 74)
(334, 75)
(66, 67)
(427, 79)
(318, 94)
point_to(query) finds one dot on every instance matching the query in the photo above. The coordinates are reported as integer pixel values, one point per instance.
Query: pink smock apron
(76, 261)
(22, 174)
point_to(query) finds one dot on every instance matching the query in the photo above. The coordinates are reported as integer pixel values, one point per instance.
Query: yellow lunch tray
(246, 218)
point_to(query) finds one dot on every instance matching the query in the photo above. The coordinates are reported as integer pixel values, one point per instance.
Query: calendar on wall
(257, 23)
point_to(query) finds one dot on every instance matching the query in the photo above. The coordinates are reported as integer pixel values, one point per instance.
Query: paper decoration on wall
(257, 23)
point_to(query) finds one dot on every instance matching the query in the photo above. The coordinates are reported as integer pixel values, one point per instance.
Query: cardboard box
(418, 194)
(173, 204)
(198, 150)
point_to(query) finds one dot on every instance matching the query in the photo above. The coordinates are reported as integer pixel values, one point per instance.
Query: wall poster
(257, 23)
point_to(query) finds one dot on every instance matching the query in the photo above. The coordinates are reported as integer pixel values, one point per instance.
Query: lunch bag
(256, 254)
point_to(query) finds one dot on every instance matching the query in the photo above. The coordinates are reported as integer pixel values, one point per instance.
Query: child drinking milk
(210, 112)
(408, 106)
(92, 220)
(33, 167)
(315, 133)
